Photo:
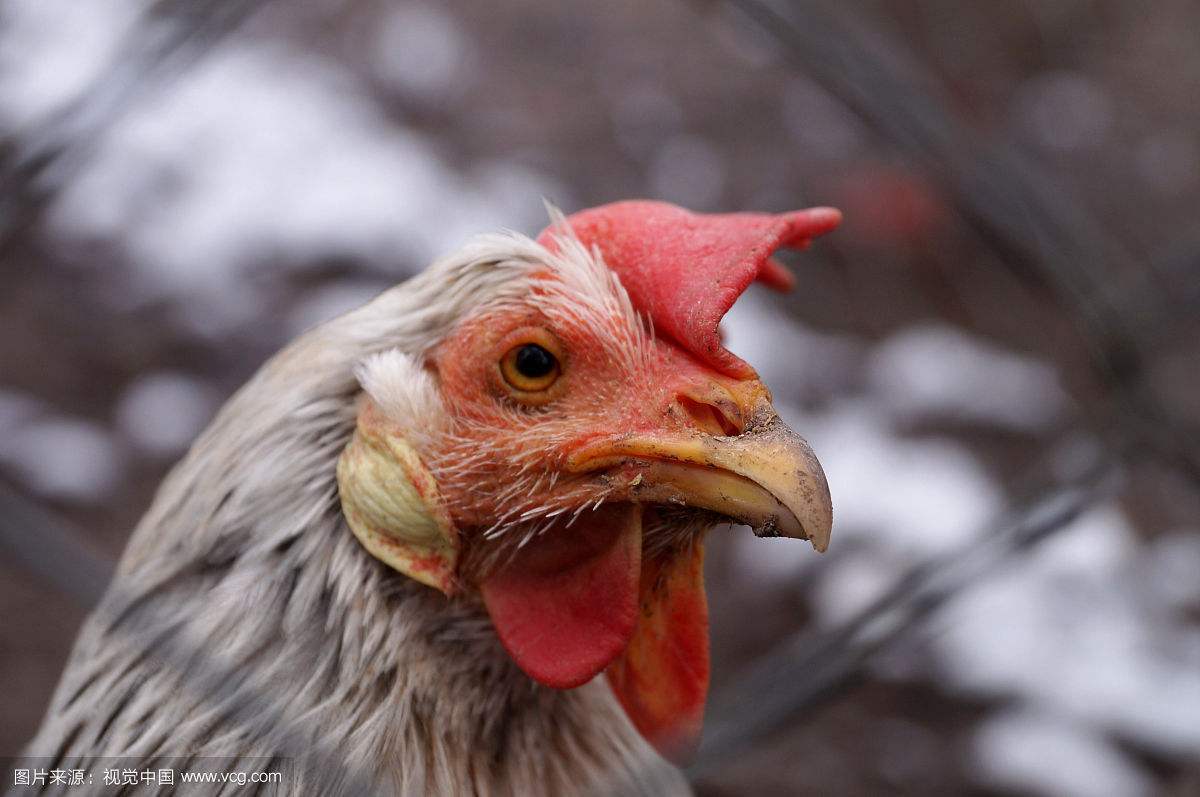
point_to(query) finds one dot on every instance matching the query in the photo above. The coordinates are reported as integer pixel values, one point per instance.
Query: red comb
(685, 270)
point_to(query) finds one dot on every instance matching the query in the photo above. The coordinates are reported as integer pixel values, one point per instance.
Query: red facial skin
(576, 599)
(596, 397)
(578, 594)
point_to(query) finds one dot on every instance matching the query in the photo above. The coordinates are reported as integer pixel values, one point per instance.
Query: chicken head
(560, 453)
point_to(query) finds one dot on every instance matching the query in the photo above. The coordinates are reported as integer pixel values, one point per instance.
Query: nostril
(719, 417)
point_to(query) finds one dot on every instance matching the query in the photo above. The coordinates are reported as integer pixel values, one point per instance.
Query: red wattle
(661, 679)
(566, 605)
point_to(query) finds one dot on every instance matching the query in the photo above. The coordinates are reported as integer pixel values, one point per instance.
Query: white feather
(244, 556)
(405, 392)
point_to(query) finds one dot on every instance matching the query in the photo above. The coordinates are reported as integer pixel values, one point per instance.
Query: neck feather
(245, 557)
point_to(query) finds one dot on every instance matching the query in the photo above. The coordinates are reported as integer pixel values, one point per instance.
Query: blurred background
(997, 357)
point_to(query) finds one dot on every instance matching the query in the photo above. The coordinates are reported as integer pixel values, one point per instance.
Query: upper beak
(766, 477)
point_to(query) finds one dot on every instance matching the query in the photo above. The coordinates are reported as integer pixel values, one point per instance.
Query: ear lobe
(392, 505)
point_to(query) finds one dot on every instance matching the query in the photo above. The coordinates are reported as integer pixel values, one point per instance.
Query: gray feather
(246, 620)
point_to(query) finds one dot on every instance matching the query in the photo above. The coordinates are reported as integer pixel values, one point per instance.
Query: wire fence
(1032, 223)
(806, 671)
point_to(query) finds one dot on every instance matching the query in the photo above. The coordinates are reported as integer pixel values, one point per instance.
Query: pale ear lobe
(391, 503)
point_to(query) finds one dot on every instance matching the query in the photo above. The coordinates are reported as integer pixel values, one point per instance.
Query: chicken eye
(529, 368)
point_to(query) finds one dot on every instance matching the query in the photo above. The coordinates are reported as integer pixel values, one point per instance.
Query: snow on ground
(63, 458)
(161, 413)
(917, 496)
(1028, 752)
(794, 359)
(897, 499)
(263, 153)
(420, 51)
(56, 456)
(1085, 637)
(938, 371)
(1072, 631)
(848, 584)
(259, 154)
(50, 50)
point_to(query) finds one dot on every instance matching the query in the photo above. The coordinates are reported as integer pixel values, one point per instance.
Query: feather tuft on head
(404, 391)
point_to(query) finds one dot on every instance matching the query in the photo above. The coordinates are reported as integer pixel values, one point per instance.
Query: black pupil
(533, 361)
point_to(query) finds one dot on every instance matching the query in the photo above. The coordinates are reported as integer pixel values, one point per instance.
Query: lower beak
(767, 477)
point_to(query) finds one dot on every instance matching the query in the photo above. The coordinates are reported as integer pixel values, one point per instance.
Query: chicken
(423, 529)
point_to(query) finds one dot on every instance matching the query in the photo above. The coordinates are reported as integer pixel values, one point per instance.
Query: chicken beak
(767, 477)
